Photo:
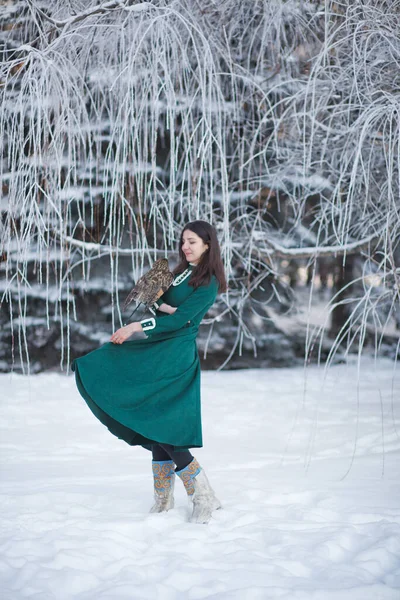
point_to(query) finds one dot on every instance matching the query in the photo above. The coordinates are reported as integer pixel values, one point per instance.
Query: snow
(309, 484)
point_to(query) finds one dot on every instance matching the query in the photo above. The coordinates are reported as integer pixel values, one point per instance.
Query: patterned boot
(164, 481)
(199, 491)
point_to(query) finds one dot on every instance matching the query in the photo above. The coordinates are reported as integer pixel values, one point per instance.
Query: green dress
(147, 390)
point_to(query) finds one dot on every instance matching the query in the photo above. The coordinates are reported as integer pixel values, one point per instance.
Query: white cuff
(147, 324)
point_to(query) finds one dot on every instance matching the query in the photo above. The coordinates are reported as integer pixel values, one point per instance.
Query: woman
(147, 391)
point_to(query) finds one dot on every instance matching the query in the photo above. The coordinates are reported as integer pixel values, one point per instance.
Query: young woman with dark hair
(147, 391)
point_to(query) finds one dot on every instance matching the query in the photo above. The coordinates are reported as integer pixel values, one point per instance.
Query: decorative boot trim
(163, 473)
(187, 474)
(164, 482)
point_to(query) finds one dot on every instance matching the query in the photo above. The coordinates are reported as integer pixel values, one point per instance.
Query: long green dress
(147, 390)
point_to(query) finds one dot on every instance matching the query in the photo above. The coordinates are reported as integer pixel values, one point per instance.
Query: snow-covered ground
(309, 483)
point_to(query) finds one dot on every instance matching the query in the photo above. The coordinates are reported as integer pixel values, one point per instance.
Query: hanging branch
(318, 251)
(266, 118)
(101, 9)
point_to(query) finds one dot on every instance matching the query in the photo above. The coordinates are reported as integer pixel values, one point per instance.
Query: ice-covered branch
(277, 121)
(318, 251)
(105, 249)
(101, 9)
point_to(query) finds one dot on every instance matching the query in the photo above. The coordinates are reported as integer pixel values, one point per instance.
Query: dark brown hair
(210, 263)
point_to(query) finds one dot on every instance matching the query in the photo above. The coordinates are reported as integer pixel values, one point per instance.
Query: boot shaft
(163, 474)
(187, 475)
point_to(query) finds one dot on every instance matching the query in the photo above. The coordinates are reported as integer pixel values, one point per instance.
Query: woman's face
(193, 246)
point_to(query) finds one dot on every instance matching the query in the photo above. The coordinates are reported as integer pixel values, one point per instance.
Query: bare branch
(276, 121)
(319, 251)
(96, 10)
(105, 249)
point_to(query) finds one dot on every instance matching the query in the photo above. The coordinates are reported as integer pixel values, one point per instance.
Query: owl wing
(167, 281)
(136, 291)
(153, 292)
(164, 279)
(152, 284)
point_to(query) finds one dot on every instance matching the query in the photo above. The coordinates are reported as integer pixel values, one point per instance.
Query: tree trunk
(343, 276)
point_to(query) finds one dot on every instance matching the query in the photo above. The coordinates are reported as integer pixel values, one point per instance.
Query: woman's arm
(167, 308)
(200, 300)
(122, 334)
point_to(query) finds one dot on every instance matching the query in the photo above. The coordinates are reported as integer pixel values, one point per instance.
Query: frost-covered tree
(276, 120)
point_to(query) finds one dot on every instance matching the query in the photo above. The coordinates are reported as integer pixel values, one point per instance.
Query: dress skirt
(146, 391)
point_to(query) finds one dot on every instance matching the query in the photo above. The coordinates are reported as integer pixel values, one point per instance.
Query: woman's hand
(124, 333)
(166, 308)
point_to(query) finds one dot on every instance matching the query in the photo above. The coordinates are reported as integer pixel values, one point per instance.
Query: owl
(152, 284)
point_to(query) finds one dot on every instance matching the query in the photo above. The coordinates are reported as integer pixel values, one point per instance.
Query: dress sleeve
(200, 300)
(158, 303)
(156, 306)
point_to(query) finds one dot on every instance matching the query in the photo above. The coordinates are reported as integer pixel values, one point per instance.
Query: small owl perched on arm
(151, 285)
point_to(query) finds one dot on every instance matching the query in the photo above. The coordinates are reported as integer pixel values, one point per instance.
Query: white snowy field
(309, 483)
